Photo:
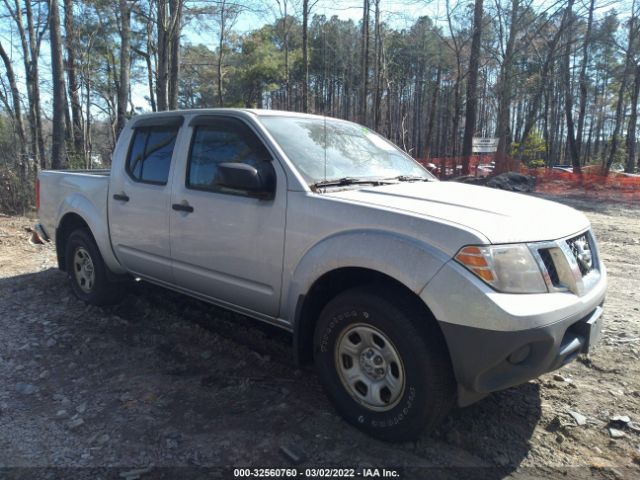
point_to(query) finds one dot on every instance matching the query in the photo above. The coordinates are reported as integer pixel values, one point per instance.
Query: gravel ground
(165, 386)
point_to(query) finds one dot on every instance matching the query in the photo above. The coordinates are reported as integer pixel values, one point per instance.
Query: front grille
(580, 247)
(545, 255)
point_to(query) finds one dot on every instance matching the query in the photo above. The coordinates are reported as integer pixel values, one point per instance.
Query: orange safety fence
(616, 186)
(613, 187)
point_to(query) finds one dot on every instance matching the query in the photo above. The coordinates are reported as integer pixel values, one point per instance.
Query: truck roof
(203, 111)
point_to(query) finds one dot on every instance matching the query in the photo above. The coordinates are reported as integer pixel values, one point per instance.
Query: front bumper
(489, 360)
(499, 340)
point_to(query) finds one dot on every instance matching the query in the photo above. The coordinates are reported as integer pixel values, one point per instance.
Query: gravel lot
(162, 380)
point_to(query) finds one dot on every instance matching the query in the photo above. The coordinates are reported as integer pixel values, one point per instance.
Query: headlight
(507, 268)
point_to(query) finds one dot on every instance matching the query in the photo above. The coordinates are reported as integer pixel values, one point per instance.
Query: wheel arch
(69, 223)
(73, 220)
(334, 282)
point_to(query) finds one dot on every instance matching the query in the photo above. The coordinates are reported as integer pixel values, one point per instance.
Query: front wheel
(87, 271)
(384, 373)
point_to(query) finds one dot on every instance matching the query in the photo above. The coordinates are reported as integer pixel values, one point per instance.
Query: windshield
(352, 151)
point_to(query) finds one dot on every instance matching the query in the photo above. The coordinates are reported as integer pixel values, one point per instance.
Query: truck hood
(502, 217)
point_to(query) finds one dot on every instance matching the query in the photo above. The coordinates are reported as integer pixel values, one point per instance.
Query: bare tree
(15, 108)
(503, 131)
(175, 10)
(72, 77)
(582, 81)
(568, 92)
(226, 17)
(633, 121)
(30, 41)
(634, 26)
(58, 150)
(472, 88)
(125, 64)
(365, 61)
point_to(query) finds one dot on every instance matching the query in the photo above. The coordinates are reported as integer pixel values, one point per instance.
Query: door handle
(181, 207)
(122, 197)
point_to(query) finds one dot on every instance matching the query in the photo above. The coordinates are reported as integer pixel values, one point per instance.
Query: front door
(225, 244)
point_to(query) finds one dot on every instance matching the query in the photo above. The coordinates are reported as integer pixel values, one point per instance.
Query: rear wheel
(87, 271)
(385, 374)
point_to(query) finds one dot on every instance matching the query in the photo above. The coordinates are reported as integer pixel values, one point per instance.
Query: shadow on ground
(164, 380)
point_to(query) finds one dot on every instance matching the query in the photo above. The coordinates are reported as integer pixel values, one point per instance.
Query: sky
(397, 13)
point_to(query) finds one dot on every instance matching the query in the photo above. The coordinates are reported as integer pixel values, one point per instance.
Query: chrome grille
(583, 252)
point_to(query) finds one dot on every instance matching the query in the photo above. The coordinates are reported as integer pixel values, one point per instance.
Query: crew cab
(409, 294)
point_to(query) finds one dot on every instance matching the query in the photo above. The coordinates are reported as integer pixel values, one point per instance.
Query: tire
(87, 271)
(415, 389)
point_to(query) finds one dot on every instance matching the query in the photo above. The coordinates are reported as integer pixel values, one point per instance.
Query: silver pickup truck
(408, 293)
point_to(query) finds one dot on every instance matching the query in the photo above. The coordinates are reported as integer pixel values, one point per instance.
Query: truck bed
(72, 190)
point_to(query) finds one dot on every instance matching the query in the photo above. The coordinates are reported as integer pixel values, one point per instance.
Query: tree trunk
(378, 65)
(72, 77)
(30, 53)
(162, 68)
(633, 120)
(568, 93)
(432, 113)
(365, 62)
(619, 118)
(305, 56)
(58, 154)
(15, 97)
(583, 79)
(472, 88)
(125, 64)
(503, 132)
(175, 10)
(148, 59)
(221, 38)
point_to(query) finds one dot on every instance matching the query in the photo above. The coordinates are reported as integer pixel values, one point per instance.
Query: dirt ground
(166, 386)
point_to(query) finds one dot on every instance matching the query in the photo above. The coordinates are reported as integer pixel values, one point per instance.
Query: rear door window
(150, 153)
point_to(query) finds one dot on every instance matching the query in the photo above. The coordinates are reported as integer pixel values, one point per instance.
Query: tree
(175, 10)
(125, 63)
(58, 150)
(633, 121)
(634, 31)
(568, 91)
(503, 131)
(72, 77)
(15, 108)
(31, 35)
(306, 11)
(226, 17)
(365, 62)
(472, 88)
(169, 29)
(582, 81)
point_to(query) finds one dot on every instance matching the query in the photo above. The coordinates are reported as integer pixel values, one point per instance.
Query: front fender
(405, 259)
(96, 219)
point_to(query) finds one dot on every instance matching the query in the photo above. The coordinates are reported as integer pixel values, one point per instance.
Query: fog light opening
(520, 355)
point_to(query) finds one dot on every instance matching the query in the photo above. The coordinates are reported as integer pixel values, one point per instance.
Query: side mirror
(240, 176)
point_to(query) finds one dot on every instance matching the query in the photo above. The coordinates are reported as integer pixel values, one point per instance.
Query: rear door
(225, 244)
(140, 199)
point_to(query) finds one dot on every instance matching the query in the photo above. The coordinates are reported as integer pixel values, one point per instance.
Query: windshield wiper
(410, 178)
(346, 181)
